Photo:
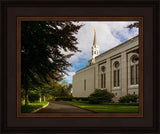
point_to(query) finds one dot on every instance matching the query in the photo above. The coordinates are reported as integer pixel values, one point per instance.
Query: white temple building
(116, 70)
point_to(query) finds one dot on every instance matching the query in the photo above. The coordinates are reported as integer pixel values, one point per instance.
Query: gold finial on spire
(95, 40)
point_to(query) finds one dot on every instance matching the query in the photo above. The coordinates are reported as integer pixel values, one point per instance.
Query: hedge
(71, 98)
(129, 98)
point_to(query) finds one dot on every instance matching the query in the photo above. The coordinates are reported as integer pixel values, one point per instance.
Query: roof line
(110, 50)
(117, 46)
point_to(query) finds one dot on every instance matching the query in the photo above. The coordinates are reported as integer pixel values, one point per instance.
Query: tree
(41, 45)
(100, 96)
(136, 25)
(67, 86)
(60, 90)
(129, 98)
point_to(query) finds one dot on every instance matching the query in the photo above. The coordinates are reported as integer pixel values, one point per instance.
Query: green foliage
(33, 96)
(32, 106)
(48, 92)
(22, 95)
(129, 98)
(42, 59)
(63, 99)
(80, 99)
(41, 45)
(70, 98)
(62, 89)
(100, 96)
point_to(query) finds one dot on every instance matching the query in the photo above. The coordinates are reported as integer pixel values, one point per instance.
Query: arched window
(116, 73)
(103, 77)
(134, 70)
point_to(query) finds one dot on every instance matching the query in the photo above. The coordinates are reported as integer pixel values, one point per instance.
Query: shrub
(80, 98)
(100, 96)
(129, 98)
(71, 98)
(63, 99)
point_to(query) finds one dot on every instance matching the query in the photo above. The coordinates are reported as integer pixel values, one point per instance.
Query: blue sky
(109, 34)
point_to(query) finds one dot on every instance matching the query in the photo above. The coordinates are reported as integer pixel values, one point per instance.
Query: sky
(109, 34)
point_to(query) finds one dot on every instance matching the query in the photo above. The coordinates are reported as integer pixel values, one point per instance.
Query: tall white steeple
(95, 48)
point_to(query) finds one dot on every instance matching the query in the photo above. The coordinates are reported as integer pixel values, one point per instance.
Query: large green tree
(41, 56)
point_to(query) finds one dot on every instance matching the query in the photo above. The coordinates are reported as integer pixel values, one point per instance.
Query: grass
(107, 108)
(32, 106)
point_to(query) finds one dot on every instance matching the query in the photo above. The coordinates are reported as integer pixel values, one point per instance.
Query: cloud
(119, 30)
(68, 77)
(109, 34)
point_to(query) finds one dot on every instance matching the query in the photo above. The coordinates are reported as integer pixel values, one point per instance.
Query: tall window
(134, 70)
(103, 77)
(116, 74)
(84, 85)
(137, 74)
(132, 75)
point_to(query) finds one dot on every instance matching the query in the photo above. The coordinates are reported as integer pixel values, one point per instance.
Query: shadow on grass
(31, 107)
(108, 108)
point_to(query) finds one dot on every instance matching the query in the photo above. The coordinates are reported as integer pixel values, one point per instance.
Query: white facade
(116, 70)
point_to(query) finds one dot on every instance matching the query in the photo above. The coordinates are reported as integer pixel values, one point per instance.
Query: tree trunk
(44, 98)
(26, 97)
(40, 99)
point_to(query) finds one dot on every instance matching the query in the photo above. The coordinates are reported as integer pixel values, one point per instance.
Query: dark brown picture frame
(11, 10)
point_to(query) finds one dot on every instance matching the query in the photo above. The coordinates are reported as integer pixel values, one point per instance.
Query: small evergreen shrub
(129, 98)
(100, 96)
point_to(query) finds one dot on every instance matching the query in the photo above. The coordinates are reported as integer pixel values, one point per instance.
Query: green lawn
(107, 108)
(32, 106)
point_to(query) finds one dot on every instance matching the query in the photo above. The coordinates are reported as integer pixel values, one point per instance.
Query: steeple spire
(95, 40)
(95, 48)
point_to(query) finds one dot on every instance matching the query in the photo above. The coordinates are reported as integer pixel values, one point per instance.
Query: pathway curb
(40, 108)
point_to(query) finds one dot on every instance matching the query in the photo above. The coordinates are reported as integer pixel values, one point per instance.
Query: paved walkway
(62, 107)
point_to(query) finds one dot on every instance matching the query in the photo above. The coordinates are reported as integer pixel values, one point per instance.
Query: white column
(96, 76)
(124, 80)
(108, 75)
